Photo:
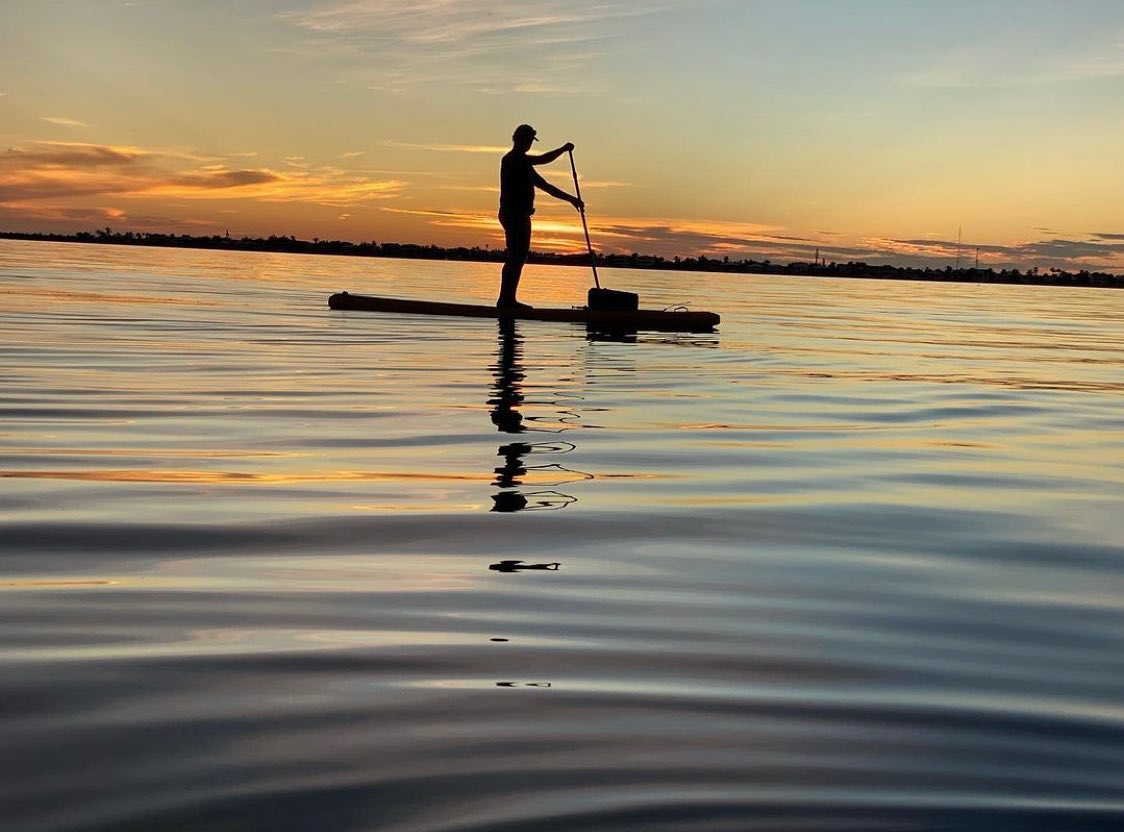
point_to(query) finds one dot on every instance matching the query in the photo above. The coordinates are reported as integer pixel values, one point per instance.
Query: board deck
(641, 319)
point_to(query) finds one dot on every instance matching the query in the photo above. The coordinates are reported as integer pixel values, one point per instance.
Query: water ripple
(852, 563)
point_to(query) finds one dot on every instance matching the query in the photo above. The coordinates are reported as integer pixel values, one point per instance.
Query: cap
(524, 130)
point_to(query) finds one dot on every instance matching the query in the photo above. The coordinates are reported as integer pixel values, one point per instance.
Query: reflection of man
(518, 180)
(508, 391)
(507, 397)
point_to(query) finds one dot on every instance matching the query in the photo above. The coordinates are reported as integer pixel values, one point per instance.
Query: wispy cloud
(456, 21)
(494, 189)
(1019, 64)
(65, 122)
(451, 148)
(604, 183)
(455, 219)
(490, 189)
(487, 45)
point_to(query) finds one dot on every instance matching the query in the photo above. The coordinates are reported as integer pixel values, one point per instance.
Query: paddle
(585, 227)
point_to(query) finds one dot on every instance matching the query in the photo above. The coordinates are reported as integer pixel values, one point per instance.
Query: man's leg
(517, 234)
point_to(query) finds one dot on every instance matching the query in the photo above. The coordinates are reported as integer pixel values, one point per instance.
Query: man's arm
(557, 193)
(550, 155)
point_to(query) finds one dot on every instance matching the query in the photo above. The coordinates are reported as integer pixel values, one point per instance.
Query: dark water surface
(852, 563)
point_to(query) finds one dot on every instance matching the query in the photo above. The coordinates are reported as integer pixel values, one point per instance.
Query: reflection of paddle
(523, 448)
(512, 501)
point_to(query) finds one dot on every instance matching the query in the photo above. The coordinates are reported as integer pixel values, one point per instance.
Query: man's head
(523, 136)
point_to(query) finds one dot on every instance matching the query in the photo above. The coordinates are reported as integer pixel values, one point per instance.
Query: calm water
(852, 563)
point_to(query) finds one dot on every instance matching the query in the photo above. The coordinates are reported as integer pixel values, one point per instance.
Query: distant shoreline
(412, 251)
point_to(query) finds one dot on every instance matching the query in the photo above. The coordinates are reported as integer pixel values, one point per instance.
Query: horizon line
(565, 258)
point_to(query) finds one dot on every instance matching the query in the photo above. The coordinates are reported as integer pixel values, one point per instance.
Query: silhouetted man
(518, 180)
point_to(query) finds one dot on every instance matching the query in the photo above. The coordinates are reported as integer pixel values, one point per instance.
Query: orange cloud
(217, 177)
(44, 171)
(70, 154)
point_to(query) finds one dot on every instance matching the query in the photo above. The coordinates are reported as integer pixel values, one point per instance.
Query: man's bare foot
(512, 304)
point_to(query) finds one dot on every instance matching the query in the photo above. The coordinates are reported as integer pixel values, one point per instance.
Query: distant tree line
(701, 263)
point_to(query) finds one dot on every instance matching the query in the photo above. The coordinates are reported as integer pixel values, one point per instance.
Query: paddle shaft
(585, 227)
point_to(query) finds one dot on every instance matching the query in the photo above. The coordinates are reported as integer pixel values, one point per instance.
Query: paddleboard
(641, 319)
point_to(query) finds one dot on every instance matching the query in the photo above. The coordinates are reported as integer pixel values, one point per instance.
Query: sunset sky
(869, 129)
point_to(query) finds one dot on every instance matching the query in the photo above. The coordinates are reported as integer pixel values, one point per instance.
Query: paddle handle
(585, 226)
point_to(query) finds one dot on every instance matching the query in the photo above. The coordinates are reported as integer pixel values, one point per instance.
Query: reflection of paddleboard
(519, 565)
(650, 319)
